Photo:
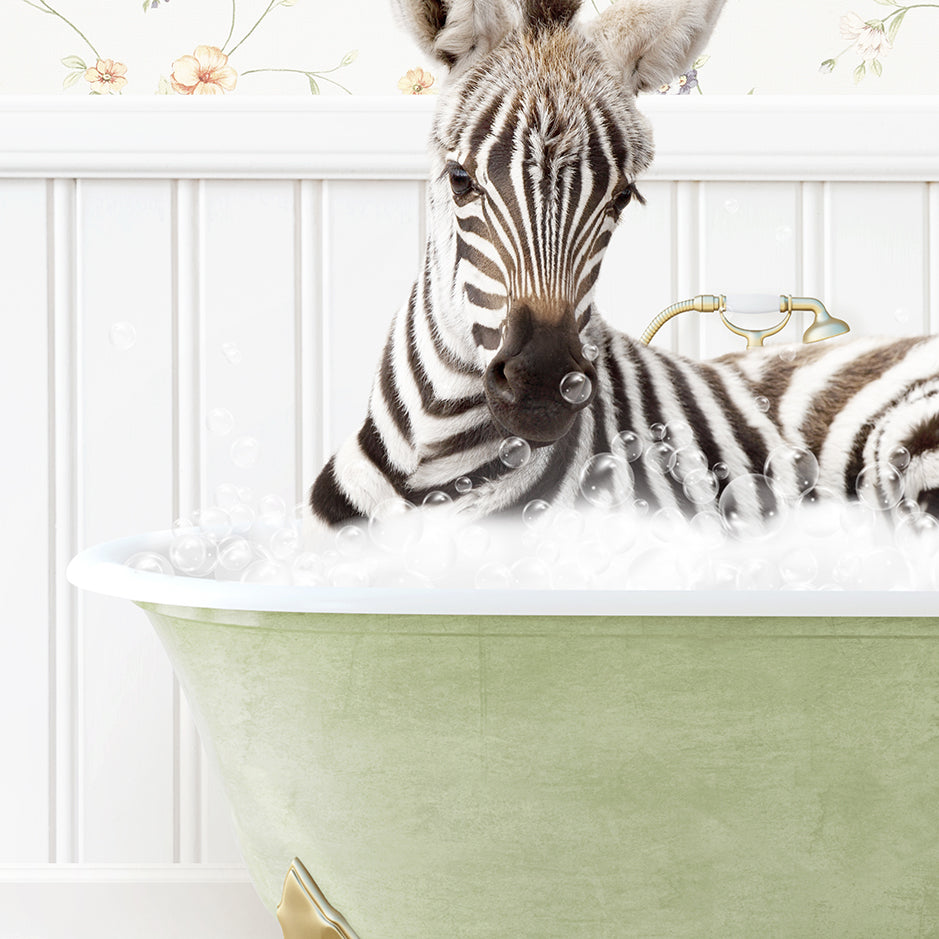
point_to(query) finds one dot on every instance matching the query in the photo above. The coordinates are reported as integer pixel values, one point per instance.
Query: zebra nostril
(498, 382)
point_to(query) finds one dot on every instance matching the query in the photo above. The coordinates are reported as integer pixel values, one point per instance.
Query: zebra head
(536, 147)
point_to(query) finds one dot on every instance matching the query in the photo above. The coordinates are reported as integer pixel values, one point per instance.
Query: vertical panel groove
(690, 245)
(932, 257)
(187, 229)
(64, 706)
(813, 281)
(309, 404)
(325, 372)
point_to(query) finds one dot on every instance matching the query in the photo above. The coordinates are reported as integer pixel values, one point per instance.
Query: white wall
(280, 228)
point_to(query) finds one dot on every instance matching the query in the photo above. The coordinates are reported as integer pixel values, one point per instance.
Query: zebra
(536, 147)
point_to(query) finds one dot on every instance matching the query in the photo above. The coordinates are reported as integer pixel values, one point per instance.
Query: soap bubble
(122, 336)
(700, 487)
(349, 575)
(436, 499)
(245, 451)
(493, 576)
(530, 574)
(657, 431)
(535, 513)
(576, 387)
(788, 353)
(192, 553)
(659, 458)
(567, 525)
(150, 562)
(678, 434)
(308, 569)
(265, 571)
(757, 573)
(231, 352)
(790, 467)
(667, 524)
(606, 481)
(394, 525)
(783, 234)
(474, 542)
(220, 421)
(687, 460)
(820, 512)
(226, 495)
(640, 507)
(880, 486)
(234, 553)
(435, 553)
(285, 543)
(463, 485)
(215, 523)
(590, 351)
(628, 445)
(351, 541)
(918, 535)
(731, 206)
(242, 518)
(708, 528)
(762, 403)
(899, 457)
(272, 508)
(514, 452)
(752, 507)
(799, 566)
(901, 315)
(721, 470)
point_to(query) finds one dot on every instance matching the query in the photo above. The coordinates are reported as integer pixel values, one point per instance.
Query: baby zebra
(536, 147)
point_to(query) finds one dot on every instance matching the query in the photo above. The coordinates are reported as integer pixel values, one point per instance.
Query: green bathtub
(587, 766)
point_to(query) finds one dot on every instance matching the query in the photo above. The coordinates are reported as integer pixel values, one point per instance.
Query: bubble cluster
(776, 530)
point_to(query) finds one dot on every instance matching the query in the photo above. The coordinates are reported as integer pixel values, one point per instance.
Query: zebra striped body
(851, 403)
(535, 150)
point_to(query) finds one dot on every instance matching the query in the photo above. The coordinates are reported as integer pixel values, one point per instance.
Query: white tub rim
(101, 569)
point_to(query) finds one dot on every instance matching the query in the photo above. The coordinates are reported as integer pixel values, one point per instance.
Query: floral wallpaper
(237, 47)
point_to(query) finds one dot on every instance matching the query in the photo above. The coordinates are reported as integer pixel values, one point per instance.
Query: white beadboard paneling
(249, 298)
(638, 270)
(25, 550)
(125, 395)
(373, 254)
(751, 244)
(156, 902)
(932, 245)
(876, 257)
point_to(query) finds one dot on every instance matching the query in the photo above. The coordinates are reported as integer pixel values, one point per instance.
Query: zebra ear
(457, 31)
(551, 12)
(653, 41)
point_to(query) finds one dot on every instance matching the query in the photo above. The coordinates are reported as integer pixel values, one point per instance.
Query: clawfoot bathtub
(586, 765)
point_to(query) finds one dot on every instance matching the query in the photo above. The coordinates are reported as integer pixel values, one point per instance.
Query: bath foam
(817, 543)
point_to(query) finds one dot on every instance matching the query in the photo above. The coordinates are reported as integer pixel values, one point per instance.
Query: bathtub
(540, 765)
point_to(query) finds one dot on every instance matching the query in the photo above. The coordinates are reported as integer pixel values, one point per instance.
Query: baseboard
(146, 902)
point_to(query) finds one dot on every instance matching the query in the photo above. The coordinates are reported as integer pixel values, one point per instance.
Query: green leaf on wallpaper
(701, 60)
(895, 25)
(288, 3)
(859, 73)
(886, 3)
(314, 87)
(74, 61)
(877, 67)
(71, 79)
(164, 87)
(349, 57)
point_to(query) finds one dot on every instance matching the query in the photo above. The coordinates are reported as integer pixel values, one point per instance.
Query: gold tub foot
(304, 912)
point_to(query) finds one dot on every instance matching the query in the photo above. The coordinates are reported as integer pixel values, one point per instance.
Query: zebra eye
(460, 181)
(624, 197)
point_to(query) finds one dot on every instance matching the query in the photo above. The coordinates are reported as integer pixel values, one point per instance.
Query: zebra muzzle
(523, 381)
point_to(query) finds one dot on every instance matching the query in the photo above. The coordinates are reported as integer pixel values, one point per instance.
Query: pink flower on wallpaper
(416, 82)
(106, 77)
(205, 72)
(869, 38)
